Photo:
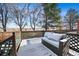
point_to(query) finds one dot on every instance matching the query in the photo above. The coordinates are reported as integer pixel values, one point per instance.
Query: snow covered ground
(33, 47)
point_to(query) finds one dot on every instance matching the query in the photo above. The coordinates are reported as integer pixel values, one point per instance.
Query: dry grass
(31, 34)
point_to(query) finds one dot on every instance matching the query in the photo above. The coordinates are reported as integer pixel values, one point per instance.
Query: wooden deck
(4, 36)
(16, 38)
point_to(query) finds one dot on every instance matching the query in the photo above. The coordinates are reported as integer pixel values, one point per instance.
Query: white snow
(74, 53)
(64, 40)
(54, 36)
(33, 47)
(52, 42)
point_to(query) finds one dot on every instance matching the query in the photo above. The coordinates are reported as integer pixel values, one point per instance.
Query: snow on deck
(33, 47)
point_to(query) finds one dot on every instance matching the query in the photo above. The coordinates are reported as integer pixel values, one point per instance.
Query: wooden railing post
(78, 26)
(14, 44)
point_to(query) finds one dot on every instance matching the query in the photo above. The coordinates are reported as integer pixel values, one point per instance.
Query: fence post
(78, 26)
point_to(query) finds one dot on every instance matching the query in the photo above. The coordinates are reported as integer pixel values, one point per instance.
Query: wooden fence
(31, 34)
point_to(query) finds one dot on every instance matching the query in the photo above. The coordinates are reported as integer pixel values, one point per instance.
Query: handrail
(5, 36)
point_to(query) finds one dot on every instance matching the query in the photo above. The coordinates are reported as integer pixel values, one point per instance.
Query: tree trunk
(46, 24)
(34, 26)
(33, 29)
(70, 25)
(4, 28)
(20, 29)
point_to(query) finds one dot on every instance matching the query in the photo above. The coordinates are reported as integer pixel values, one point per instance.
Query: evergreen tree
(51, 14)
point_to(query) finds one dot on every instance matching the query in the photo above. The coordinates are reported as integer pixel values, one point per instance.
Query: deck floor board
(34, 47)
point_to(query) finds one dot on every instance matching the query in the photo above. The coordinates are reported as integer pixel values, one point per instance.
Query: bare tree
(4, 15)
(34, 16)
(20, 14)
(71, 17)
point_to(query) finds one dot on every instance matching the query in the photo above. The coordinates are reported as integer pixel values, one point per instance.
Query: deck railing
(73, 41)
(31, 34)
(7, 44)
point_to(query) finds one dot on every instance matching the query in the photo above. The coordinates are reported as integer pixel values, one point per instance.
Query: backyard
(47, 29)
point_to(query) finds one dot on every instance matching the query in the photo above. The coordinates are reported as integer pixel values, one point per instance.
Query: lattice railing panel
(6, 47)
(74, 41)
